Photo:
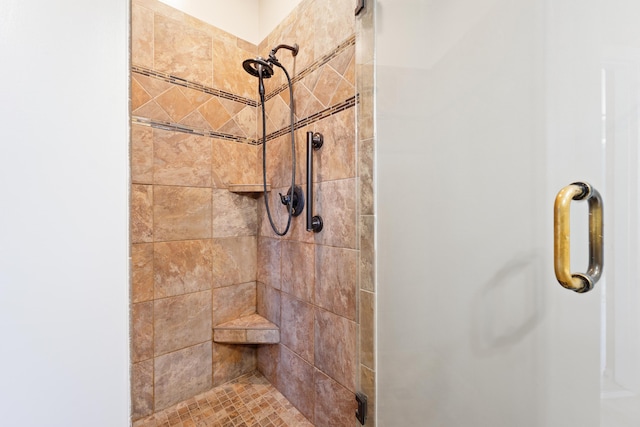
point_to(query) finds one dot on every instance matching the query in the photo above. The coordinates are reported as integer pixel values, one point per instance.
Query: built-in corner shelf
(249, 189)
(252, 329)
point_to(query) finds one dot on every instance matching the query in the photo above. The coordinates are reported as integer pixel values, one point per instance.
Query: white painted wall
(64, 213)
(251, 20)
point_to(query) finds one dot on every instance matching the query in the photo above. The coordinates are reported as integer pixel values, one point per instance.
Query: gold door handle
(579, 282)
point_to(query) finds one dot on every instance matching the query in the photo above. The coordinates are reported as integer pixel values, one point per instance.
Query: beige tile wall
(202, 255)
(364, 60)
(194, 243)
(314, 279)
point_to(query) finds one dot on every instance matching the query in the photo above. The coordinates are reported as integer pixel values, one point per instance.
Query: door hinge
(359, 6)
(361, 413)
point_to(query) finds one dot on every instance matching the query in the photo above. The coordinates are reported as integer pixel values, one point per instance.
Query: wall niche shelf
(248, 189)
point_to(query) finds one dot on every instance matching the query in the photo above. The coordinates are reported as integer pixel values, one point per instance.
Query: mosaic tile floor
(249, 401)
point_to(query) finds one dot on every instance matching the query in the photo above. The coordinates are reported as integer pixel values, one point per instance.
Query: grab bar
(578, 282)
(314, 142)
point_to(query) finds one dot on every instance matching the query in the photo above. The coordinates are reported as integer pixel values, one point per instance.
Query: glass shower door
(485, 110)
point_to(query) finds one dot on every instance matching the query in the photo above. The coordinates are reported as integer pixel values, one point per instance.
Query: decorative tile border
(351, 41)
(348, 103)
(334, 109)
(192, 85)
(186, 129)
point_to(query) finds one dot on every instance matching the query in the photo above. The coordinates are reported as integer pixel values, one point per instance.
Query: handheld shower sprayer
(263, 69)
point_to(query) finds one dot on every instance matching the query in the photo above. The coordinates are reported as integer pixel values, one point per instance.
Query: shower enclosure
(484, 111)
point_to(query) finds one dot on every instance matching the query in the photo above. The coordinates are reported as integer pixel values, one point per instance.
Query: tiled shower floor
(249, 401)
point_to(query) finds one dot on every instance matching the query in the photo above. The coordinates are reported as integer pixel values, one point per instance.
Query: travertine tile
(234, 260)
(152, 110)
(269, 255)
(232, 107)
(234, 214)
(141, 213)
(139, 96)
(296, 327)
(336, 203)
(271, 336)
(248, 400)
(141, 36)
(228, 74)
(306, 102)
(251, 329)
(367, 253)
(175, 103)
(234, 163)
(341, 62)
(230, 336)
(141, 272)
(366, 175)
(336, 280)
(350, 73)
(278, 163)
(327, 83)
(182, 374)
(311, 80)
(182, 267)
(153, 86)
(181, 159)
(368, 387)
(232, 302)
(246, 120)
(344, 90)
(196, 121)
(214, 113)
(298, 269)
(141, 331)
(182, 50)
(182, 213)
(295, 377)
(195, 97)
(142, 389)
(182, 321)
(335, 347)
(304, 20)
(336, 159)
(231, 361)
(335, 405)
(268, 361)
(334, 23)
(269, 302)
(231, 127)
(279, 112)
(367, 329)
(141, 154)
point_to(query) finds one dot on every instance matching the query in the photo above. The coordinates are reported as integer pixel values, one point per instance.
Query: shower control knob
(316, 224)
(295, 198)
(317, 140)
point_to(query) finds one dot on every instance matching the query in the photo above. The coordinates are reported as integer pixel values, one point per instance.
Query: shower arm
(314, 142)
(272, 54)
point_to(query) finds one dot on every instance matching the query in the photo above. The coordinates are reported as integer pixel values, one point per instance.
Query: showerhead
(258, 67)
